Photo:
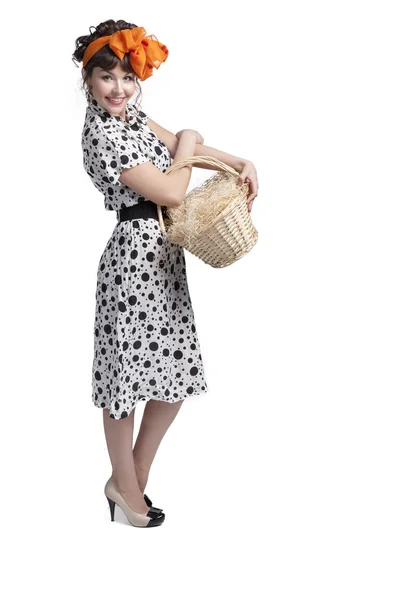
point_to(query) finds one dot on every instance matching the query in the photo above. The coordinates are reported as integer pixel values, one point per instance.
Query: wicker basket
(228, 236)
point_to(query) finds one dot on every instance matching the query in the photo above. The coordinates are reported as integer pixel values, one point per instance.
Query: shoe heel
(152, 518)
(112, 507)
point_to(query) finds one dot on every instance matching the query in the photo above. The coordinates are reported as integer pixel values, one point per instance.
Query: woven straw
(213, 221)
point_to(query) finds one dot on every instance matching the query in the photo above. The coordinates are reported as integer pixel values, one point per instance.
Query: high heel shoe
(152, 518)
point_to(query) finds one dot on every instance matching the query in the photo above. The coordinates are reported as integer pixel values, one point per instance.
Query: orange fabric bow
(144, 51)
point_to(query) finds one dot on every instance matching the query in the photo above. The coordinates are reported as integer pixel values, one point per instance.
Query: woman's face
(109, 85)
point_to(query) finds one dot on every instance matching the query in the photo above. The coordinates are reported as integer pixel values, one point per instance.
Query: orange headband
(144, 51)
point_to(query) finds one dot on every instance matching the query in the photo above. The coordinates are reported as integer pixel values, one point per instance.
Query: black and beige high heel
(152, 518)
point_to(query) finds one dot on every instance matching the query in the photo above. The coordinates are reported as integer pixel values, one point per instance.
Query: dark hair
(104, 58)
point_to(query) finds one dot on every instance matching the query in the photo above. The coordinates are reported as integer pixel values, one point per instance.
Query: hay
(201, 207)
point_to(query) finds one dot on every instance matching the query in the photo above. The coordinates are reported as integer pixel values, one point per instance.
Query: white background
(283, 481)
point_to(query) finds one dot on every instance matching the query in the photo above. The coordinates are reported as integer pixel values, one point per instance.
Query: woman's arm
(243, 166)
(171, 141)
(230, 160)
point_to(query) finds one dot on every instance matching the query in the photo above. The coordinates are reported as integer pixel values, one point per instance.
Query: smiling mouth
(115, 100)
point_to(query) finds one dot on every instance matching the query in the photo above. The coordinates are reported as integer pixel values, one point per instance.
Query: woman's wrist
(242, 162)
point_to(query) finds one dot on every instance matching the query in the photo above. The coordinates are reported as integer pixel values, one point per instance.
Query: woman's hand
(248, 175)
(199, 138)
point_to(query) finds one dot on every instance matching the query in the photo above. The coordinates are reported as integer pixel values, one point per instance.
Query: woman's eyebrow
(111, 73)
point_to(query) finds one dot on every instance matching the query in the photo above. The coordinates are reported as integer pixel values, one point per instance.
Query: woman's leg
(119, 437)
(157, 417)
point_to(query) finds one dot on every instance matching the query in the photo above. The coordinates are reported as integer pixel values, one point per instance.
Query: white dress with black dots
(145, 338)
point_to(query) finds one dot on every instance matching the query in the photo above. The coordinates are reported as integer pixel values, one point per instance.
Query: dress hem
(149, 397)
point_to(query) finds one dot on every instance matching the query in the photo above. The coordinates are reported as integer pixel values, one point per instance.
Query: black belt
(142, 210)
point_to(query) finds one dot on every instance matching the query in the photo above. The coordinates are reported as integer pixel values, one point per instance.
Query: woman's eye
(105, 76)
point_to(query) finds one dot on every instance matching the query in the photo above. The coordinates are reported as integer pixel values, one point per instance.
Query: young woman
(145, 339)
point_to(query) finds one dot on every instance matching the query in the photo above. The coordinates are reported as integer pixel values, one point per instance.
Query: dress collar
(97, 108)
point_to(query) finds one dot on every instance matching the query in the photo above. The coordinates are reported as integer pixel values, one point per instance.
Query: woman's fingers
(250, 201)
(249, 175)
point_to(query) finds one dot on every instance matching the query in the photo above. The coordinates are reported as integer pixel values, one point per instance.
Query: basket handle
(207, 160)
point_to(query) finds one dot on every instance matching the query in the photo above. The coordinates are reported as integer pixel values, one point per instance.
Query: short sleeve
(116, 152)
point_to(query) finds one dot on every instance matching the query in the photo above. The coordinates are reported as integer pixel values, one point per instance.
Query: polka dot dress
(145, 338)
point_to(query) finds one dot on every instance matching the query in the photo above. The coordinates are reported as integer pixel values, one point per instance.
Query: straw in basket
(213, 221)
